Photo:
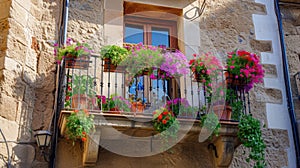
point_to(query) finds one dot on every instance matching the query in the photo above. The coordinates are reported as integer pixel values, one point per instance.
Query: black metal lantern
(43, 139)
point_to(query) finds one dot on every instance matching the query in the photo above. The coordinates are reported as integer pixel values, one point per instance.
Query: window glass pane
(160, 36)
(158, 89)
(134, 34)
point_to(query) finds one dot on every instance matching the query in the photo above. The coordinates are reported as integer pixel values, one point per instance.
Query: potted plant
(116, 105)
(82, 91)
(76, 54)
(205, 67)
(166, 124)
(79, 124)
(137, 105)
(175, 64)
(142, 59)
(113, 55)
(251, 137)
(243, 69)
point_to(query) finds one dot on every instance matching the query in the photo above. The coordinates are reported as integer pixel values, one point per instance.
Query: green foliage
(211, 123)
(73, 48)
(79, 124)
(235, 103)
(115, 53)
(251, 137)
(117, 102)
(83, 84)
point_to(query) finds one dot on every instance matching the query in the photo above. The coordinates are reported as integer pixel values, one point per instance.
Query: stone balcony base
(133, 136)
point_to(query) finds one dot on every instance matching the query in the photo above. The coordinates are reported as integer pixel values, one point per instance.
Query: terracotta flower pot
(137, 107)
(81, 101)
(223, 111)
(109, 67)
(81, 62)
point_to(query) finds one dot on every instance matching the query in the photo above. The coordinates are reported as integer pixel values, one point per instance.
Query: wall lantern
(43, 139)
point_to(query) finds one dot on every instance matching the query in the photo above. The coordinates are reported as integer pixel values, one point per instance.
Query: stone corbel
(224, 150)
(91, 148)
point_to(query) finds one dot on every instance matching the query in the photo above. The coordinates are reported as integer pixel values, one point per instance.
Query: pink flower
(231, 67)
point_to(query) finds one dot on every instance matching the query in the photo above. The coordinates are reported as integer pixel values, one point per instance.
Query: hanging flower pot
(109, 67)
(81, 62)
(234, 82)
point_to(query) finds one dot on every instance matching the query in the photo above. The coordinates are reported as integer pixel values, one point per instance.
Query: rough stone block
(268, 95)
(36, 12)
(31, 59)
(26, 4)
(8, 107)
(24, 155)
(29, 96)
(16, 50)
(19, 13)
(17, 31)
(29, 76)
(12, 85)
(270, 70)
(9, 129)
(24, 119)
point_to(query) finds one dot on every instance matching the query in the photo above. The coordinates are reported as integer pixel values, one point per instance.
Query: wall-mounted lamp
(297, 77)
(43, 139)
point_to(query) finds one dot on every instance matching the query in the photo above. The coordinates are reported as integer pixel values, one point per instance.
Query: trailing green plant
(83, 84)
(236, 104)
(211, 122)
(166, 124)
(79, 124)
(251, 137)
(116, 53)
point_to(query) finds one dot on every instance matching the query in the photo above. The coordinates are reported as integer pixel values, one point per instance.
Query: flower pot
(237, 83)
(81, 101)
(137, 107)
(81, 62)
(115, 110)
(222, 111)
(109, 67)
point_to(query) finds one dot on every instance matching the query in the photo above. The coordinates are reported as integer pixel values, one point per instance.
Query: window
(150, 31)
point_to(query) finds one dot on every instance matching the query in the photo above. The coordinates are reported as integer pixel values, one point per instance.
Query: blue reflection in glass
(134, 34)
(160, 36)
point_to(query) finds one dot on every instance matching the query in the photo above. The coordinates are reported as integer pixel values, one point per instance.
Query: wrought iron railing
(84, 87)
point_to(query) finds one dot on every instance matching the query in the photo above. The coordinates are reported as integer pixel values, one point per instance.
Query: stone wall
(27, 73)
(291, 25)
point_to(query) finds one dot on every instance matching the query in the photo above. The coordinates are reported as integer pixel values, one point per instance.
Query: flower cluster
(205, 67)
(245, 66)
(142, 58)
(174, 64)
(164, 120)
(72, 48)
(79, 124)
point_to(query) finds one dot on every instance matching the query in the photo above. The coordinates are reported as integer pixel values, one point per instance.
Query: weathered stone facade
(27, 70)
(27, 73)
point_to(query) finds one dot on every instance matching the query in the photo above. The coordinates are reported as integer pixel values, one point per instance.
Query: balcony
(96, 78)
